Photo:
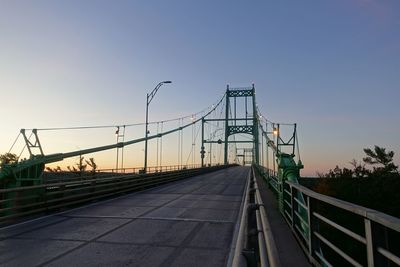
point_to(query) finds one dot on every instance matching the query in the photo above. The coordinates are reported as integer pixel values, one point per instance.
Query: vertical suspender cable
(211, 139)
(195, 136)
(161, 146)
(193, 143)
(158, 143)
(117, 137)
(123, 140)
(181, 145)
(267, 147)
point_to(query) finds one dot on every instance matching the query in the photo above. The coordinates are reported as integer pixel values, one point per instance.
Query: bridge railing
(339, 233)
(255, 244)
(272, 178)
(64, 176)
(151, 169)
(268, 251)
(28, 200)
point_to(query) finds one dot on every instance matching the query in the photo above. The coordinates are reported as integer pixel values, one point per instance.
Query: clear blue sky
(331, 66)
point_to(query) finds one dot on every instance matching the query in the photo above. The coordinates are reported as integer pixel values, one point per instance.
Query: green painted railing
(340, 233)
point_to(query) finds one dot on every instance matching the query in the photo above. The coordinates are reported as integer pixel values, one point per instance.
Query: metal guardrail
(29, 200)
(254, 222)
(63, 176)
(271, 258)
(151, 169)
(372, 238)
(271, 177)
(336, 232)
(239, 259)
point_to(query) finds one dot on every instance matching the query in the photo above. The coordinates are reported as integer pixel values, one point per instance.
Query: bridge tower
(247, 125)
(240, 118)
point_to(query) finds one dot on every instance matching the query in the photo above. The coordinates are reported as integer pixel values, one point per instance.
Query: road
(186, 223)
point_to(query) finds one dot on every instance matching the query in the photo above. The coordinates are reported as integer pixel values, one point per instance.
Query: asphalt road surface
(186, 223)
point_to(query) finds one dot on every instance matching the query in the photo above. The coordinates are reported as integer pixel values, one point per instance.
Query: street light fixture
(149, 98)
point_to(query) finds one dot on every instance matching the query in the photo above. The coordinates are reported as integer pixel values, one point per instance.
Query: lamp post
(149, 98)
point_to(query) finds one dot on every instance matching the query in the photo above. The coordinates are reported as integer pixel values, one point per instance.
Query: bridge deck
(187, 223)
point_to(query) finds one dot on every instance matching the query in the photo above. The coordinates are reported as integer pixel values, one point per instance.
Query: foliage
(82, 165)
(375, 188)
(381, 161)
(379, 193)
(379, 156)
(56, 169)
(359, 169)
(8, 158)
(92, 164)
(338, 173)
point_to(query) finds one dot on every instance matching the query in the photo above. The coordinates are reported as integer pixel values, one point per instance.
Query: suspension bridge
(229, 195)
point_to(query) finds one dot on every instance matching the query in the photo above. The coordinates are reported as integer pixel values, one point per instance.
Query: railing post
(281, 198)
(313, 226)
(377, 237)
(309, 233)
(370, 245)
(292, 203)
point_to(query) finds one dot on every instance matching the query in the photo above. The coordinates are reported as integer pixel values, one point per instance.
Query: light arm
(153, 93)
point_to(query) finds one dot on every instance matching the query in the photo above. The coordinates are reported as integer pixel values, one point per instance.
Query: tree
(359, 170)
(337, 172)
(56, 169)
(73, 169)
(92, 164)
(379, 156)
(8, 158)
(80, 166)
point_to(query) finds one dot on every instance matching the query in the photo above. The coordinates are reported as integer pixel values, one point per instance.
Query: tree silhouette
(337, 172)
(92, 164)
(379, 156)
(8, 158)
(56, 169)
(80, 166)
(381, 161)
(73, 169)
(359, 170)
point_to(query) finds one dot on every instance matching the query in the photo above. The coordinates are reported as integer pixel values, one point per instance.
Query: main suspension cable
(212, 107)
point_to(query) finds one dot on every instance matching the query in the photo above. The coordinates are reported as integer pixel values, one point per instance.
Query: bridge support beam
(255, 128)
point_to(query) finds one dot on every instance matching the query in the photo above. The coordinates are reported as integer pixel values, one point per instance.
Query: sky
(333, 67)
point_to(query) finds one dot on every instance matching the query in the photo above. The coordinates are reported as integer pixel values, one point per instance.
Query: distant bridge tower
(247, 124)
(241, 117)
